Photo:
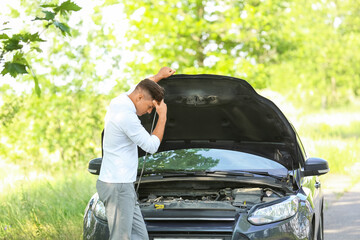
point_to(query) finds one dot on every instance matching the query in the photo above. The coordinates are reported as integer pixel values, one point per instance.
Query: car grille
(194, 236)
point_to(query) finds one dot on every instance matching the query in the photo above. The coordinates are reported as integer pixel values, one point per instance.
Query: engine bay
(235, 198)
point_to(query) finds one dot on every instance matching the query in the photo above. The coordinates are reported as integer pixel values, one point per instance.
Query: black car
(230, 166)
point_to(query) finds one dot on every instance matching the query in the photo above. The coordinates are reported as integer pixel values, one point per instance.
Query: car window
(200, 159)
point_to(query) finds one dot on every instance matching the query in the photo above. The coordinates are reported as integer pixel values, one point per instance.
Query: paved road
(342, 215)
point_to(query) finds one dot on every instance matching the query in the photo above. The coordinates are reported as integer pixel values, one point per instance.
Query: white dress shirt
(123, 133)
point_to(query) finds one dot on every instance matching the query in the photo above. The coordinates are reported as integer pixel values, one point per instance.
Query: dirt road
(342, 210)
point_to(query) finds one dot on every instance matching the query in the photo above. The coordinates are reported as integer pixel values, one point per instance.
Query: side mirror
(316, 166)
(94, 166)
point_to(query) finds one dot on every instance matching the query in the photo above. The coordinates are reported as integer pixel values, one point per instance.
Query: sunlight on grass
(337, 143)
(46, 208)
(342, 155)
(12, 175)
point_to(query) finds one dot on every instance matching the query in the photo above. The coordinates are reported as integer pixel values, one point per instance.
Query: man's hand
(161, 108)
(164, 72)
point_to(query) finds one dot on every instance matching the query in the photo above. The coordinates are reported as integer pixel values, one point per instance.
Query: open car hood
(212, 111)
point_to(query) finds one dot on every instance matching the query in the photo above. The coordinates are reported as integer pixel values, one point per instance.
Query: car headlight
(99, 210)
(276, 212)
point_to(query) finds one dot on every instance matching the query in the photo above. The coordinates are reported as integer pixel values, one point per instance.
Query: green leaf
(66, 7)
(14, 69)
(4, 71)
(37, 87)
(65, 29)
(49, 15)
(28, 37)
(35, 37)
(19, 58)
(4, 36)
(14, 13)
(12, 44)
(36, 49)
(38, 18)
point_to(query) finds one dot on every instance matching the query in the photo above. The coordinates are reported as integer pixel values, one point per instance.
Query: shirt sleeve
(138, 134)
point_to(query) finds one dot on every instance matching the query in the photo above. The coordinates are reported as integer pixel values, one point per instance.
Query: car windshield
(200, 159)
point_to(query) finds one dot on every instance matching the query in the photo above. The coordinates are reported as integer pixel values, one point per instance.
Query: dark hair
(155, 90)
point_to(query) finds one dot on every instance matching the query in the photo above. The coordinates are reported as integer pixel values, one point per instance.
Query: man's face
(144, 105)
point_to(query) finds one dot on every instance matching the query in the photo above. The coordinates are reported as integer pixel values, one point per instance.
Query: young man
(123, 133)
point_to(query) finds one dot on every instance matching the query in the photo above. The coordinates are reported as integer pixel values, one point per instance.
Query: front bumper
(93, 227)
(294, 228)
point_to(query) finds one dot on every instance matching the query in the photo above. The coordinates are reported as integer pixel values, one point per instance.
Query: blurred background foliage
(304, 50)
(302, 54)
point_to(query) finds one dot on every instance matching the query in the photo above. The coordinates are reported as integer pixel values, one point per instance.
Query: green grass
(46, 208)
(338, 144)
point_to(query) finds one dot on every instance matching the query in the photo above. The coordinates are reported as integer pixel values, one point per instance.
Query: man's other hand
(164, 72)
(161, 108)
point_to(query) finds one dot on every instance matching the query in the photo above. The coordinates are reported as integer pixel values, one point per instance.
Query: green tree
(225, 37)
(323, 70)
(12, 47)
(62, 128)
(295, 47)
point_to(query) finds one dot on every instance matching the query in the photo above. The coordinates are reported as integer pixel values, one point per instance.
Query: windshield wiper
(167, 173)
(230, 173)
(197, 173)
(247, 173)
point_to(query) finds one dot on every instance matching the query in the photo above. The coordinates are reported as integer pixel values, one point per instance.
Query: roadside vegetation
(38, 206)
(336, 138)
(54, 89)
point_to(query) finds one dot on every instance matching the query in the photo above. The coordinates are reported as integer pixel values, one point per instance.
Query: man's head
(144, 94)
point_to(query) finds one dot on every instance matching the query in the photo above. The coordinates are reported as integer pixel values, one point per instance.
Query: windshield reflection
(200, 159)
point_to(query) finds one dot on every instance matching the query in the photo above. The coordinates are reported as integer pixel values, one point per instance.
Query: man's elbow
(155, 145)
(152, 148)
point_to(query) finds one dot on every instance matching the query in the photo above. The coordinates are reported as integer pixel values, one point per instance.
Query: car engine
(242, 198)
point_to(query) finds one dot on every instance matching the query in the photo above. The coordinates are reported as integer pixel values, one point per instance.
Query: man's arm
(164, 72)
(161, 109)
(136, 132)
